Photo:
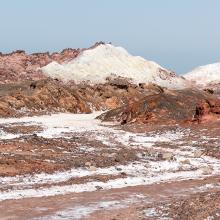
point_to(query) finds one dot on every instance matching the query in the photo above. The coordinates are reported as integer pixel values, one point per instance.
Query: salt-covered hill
(107, 61)
(205, 75)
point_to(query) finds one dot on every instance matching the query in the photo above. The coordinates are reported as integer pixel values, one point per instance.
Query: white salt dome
(205, 75)
(106, 60)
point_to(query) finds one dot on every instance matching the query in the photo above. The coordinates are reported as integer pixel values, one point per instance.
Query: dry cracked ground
(73, 166)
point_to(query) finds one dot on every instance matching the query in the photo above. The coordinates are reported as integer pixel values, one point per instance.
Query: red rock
(167, 107)
(207, 107)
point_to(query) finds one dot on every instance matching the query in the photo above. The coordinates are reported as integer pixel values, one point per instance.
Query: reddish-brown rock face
(19, 66)
(206, 108)
(37, 97)
(42, 96)
(167, 107)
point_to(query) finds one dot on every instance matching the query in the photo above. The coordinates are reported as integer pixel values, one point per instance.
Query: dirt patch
(34, 154)
(199, 206)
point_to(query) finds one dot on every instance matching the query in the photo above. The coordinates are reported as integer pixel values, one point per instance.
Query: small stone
(98, 187)
(123, 174)
(207, 170)
(186, 161)
(167, 156)
(92, 168)
(198, 153)
(117, 159)
(106, 155)
(118, 169)
(88, 164)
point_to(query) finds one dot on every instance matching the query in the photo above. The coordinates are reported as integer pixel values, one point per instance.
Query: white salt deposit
(58, 125)
(103, 61)
(204, 75)
(92, 186)
(7, 136)
(55, 125)
(83, 211)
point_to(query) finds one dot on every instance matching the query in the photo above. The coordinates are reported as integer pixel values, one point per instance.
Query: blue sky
(178, 34)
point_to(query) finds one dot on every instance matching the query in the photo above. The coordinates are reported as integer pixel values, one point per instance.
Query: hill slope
(107, 61)
(204, 75)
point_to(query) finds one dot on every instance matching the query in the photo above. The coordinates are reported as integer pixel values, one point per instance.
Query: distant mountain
(105, 61)
(205, 75)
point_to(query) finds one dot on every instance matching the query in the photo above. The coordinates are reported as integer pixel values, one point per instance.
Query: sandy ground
(72, 166)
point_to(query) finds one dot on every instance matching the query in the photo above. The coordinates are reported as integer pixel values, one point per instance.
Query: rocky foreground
(114, 147)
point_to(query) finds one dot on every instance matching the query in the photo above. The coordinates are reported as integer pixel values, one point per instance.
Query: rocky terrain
(100, 134)
(167, 107)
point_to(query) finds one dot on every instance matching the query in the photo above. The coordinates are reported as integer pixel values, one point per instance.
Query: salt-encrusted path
(130, 203)
(186, 163)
